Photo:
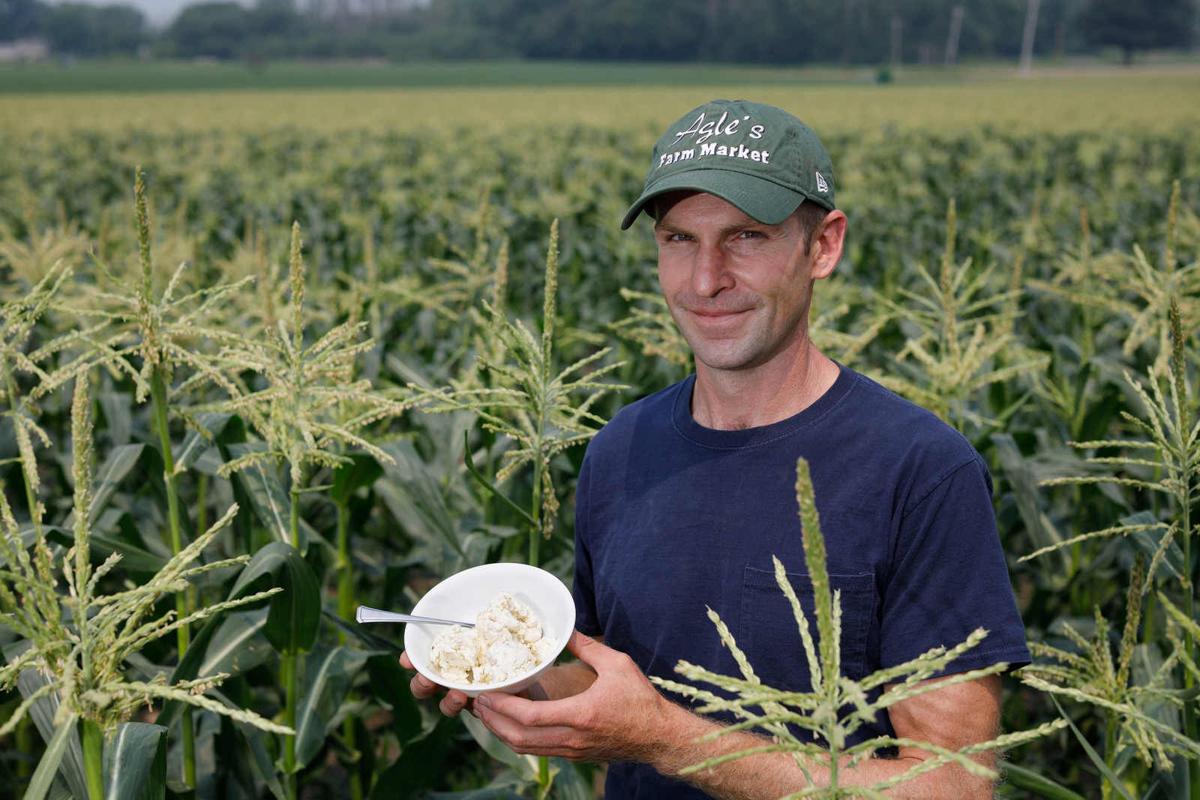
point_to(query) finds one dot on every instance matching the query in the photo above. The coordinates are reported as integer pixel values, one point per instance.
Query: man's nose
(710, 273)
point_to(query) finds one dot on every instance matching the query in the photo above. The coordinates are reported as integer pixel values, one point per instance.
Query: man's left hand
(618, 718)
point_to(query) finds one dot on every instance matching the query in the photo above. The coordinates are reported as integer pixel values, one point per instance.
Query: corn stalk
(307, 410)
(1170, 431)
(963, 340)
(160, 334)
(80, 639)
(528, 402)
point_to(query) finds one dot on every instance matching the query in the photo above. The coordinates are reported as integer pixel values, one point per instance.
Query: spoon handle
(367, 614)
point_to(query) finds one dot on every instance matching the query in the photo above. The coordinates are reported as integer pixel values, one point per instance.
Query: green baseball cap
(757, 157)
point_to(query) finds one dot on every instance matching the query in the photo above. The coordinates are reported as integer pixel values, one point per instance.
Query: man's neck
(751, 398)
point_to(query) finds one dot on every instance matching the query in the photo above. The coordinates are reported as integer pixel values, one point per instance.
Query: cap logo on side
(822, 186)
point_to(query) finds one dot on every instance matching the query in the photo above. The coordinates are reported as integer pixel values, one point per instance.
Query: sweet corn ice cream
(507, 640)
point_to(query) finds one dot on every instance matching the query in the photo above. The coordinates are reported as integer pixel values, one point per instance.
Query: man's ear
(825, 247)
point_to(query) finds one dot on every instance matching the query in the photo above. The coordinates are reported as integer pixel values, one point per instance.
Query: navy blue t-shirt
(672, 517)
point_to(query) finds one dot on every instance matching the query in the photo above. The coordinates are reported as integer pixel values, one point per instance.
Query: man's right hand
(454, 701)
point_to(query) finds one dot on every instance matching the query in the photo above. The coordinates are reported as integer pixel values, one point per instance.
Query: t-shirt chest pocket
(768, 634)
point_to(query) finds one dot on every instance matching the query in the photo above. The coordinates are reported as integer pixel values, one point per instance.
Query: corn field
(250, 380)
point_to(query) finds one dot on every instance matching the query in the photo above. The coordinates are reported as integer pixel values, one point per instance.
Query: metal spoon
(366, 614)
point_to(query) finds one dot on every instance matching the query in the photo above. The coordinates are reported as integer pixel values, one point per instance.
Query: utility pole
(956, 18)
(1031, 15)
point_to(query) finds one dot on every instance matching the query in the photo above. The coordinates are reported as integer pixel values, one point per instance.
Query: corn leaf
(292, 623)
(135, 762)
(328, 674)
(56, 748)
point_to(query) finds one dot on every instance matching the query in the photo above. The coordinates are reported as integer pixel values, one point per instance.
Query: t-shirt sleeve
(582, 587)
(949, 577)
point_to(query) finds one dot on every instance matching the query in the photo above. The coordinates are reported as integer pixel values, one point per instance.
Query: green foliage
(309, 405)
(41, 249)
(212, 29)
(409, 234)
(649, 324)
(1137, 26)
(162, 332)
(675, 30)
(21, 18)
(81, 638)
(962, 338)
(1131, 289)
(527, 400)
(18, 360)
(85, 30)
(135, 762)
(1170, 430)
(1091, 675)
(1166, 463)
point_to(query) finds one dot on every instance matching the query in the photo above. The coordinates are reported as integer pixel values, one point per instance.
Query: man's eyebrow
(734, 227)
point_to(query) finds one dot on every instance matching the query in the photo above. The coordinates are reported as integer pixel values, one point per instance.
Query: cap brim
(761, 199)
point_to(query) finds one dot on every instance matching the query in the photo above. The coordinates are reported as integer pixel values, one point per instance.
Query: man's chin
(731, 355)
(724, 360)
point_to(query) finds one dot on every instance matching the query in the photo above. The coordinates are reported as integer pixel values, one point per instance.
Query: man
(686, 495)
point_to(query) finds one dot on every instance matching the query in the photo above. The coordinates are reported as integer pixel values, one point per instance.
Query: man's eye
(678, 237)
(750, 234)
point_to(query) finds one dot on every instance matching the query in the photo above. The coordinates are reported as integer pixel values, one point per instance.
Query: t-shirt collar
(688, 428)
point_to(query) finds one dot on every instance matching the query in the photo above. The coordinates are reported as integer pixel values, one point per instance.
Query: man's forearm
(769, 776)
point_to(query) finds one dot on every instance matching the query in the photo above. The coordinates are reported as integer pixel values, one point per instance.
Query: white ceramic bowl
(464, 594)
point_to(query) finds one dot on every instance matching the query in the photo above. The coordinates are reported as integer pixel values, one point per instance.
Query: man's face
(739, 290)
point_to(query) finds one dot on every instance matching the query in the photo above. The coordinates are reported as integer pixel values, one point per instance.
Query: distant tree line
(762, 31)
(76, 29)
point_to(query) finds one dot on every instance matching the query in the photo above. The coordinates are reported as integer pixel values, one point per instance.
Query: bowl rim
(427, 671)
